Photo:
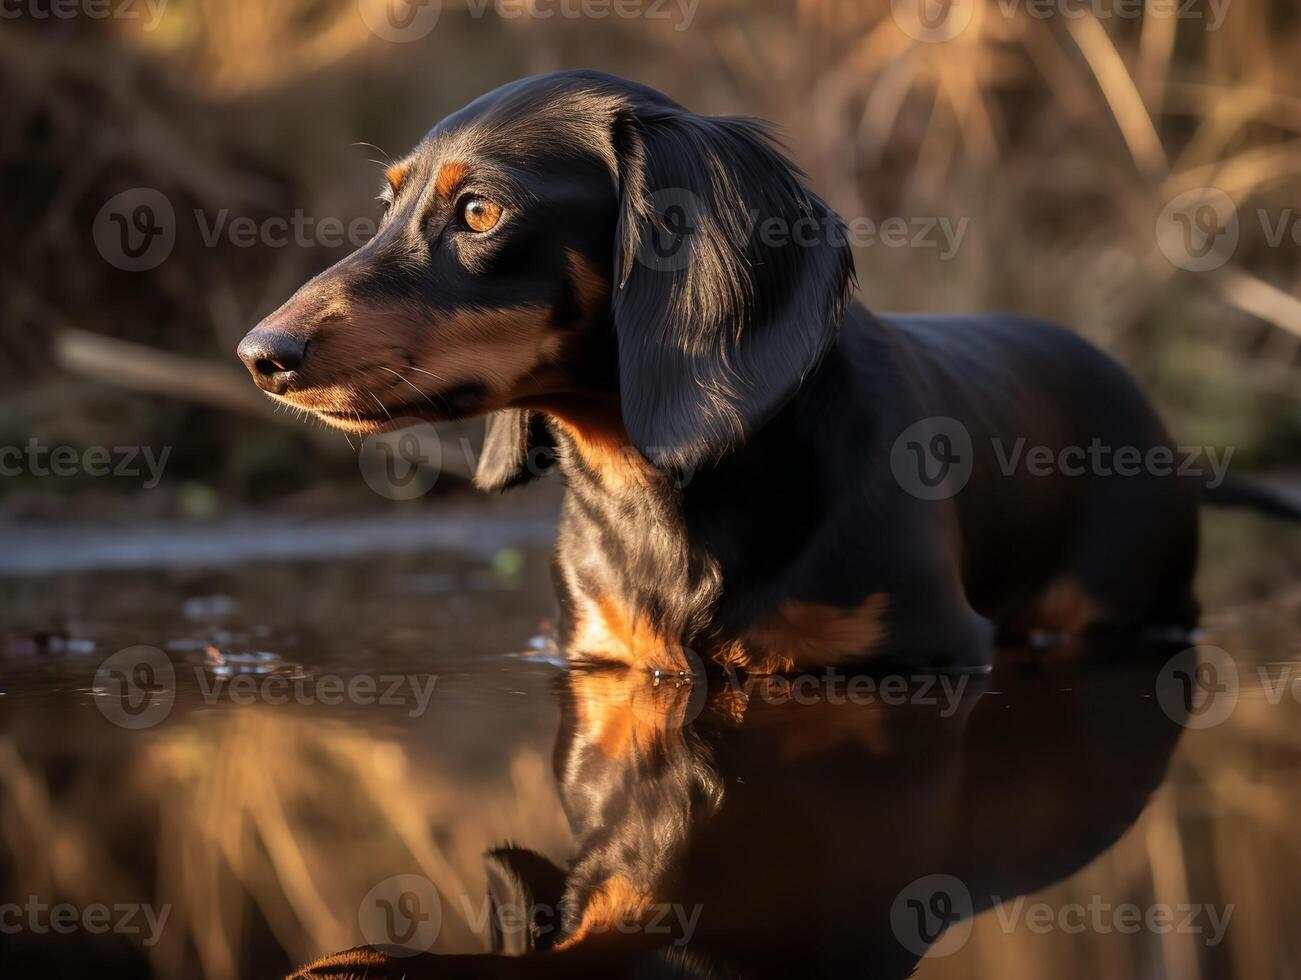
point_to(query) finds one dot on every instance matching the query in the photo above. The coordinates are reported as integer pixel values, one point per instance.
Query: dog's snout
(274, 358)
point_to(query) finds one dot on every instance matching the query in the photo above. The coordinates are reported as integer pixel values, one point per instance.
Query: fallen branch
(138, 367)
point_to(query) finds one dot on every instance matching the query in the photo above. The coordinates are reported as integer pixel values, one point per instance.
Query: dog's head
(569, 240)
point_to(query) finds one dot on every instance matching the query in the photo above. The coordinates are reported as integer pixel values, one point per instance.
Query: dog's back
(1072, 480)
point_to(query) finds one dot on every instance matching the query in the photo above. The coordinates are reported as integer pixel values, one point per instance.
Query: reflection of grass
(1211, 835)
(272, 816)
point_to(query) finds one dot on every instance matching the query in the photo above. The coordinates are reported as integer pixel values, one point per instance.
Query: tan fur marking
(609, 453)
(495, 348)
(616, 901)
(606, 631)
(1065, 608)
(449, 178)
(596, 428)
(395, 175)
(624, 712)
(800, 635)
(822, 731)
(591, 288)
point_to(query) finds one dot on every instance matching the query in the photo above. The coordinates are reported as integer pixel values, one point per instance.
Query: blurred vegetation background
(1052, 142)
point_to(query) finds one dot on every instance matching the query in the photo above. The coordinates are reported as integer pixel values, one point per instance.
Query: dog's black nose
(273, 357)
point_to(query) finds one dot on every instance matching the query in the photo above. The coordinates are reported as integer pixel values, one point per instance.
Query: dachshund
(759, 472)
(699, 856)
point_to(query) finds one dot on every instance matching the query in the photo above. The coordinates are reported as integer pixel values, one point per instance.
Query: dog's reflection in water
(767, 827)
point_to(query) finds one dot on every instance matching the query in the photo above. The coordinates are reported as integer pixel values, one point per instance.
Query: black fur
(715, 336)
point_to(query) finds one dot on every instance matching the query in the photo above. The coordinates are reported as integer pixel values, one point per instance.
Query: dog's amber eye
(479, 214)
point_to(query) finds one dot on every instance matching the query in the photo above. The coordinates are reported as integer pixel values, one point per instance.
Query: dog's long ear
(516, 448)
(733, 279)
(524, 891)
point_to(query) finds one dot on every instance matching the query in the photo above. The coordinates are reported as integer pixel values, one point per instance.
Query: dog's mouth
(384, 415)
(357, 421)
(376, 416)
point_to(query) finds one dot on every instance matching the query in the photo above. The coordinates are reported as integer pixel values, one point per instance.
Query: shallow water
(233, 758)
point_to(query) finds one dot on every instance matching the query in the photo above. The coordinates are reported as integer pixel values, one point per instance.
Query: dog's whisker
(441, 380)
(353, 395)
(422, 394)
(386, 162)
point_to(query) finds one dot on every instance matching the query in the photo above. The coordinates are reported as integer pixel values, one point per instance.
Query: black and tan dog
(770, 838)
(656, 297)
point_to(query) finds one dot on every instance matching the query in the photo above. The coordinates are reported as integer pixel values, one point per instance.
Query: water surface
(243, 745)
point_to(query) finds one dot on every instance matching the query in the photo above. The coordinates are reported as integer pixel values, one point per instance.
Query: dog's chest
(632, 590)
